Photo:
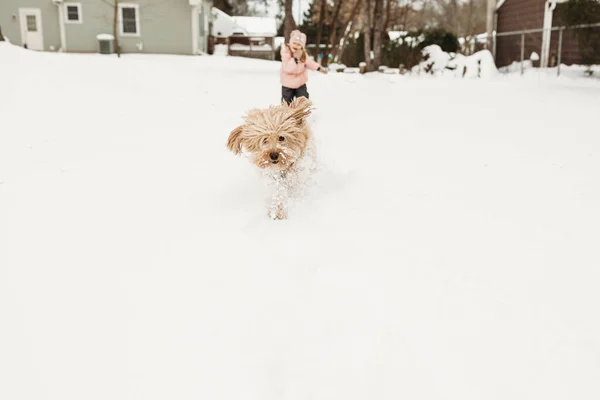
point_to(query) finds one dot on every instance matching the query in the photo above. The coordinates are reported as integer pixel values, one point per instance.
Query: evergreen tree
(308, 27)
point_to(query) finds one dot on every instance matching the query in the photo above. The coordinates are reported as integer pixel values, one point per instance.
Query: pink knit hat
(298, 37)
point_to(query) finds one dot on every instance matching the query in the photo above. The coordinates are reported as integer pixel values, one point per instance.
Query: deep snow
(449, 250)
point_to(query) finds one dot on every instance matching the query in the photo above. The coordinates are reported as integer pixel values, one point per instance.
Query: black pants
(289, 94)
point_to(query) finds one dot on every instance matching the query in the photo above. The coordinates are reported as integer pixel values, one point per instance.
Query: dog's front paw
(278, 217)
(277, 212)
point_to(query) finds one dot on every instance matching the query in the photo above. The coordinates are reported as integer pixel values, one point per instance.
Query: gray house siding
(204, 18)
(96, 18)
(165, 26)
(11, 25)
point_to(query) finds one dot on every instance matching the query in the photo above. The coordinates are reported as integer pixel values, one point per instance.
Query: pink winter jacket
(295, 75)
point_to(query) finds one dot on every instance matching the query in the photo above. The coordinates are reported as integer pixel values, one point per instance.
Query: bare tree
(469, 34)
(463, 18)
(491, 8)
(322, 12)
(367, 26)
(115, 18)
(405, 12)
(378, 34)
(115, 22)
(421, 20)
(352, 21)
(333, 29)
(388, 11)
(402, 14)
(454, 22)
(288, 22)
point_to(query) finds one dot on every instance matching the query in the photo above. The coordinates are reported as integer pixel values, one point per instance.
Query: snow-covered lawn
(449, 251)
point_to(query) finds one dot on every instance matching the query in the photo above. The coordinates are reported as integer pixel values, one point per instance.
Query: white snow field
(449, 250)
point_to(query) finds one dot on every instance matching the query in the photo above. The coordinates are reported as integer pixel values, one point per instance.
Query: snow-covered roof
(225, 25)
(105, 36)
(222, 24)
(257, 26)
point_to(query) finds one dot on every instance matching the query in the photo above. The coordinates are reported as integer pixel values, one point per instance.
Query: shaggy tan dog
(277, 139)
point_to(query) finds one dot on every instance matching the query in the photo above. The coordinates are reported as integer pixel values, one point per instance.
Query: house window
(73, 13)
(130, 19)
(31, 23)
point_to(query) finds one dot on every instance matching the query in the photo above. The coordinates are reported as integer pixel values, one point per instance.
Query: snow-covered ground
(569, 72)
(448, 251)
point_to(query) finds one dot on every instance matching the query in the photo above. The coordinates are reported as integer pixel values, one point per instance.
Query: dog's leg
(277, 212)
(277, 208)
(277, 204)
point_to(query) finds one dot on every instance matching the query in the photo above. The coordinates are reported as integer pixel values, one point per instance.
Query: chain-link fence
(547, 47)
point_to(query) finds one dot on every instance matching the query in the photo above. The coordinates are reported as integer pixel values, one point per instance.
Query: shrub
(404, 51)
(446, 40)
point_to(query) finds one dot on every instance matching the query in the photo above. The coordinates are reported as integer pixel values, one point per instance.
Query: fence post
(560, 39)
(522, 53)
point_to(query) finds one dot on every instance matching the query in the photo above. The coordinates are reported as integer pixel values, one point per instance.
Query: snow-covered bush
(438, 62)
(335, 67)
(447, 41)
(434, 60)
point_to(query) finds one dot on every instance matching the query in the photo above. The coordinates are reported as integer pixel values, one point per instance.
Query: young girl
(294, 62)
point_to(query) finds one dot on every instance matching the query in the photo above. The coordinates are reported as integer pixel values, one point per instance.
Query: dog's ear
(301, 102)
(301, 110)
(234, 143)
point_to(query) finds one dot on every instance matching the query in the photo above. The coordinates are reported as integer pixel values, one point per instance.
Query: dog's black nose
(274, 155)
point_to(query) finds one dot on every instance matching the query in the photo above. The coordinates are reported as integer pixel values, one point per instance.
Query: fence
(545, 43)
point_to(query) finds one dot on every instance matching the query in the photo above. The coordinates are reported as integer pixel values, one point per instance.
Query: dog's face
(275, 137)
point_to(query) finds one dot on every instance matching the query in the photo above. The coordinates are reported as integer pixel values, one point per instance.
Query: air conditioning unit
(105, 43)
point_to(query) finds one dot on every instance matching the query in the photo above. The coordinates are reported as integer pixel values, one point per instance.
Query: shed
(513, 16)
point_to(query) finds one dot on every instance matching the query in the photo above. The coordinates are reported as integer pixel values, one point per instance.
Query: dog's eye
(264, 141)
(281, 138)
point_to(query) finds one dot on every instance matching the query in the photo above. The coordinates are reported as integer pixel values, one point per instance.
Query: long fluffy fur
(275, 138)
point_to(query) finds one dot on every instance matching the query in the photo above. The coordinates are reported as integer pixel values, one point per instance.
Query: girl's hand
(324, 70)
(298, 53)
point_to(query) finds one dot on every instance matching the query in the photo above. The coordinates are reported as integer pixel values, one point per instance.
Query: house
(224, 26)
(538, 15)
(142, 26)
(244, 36)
